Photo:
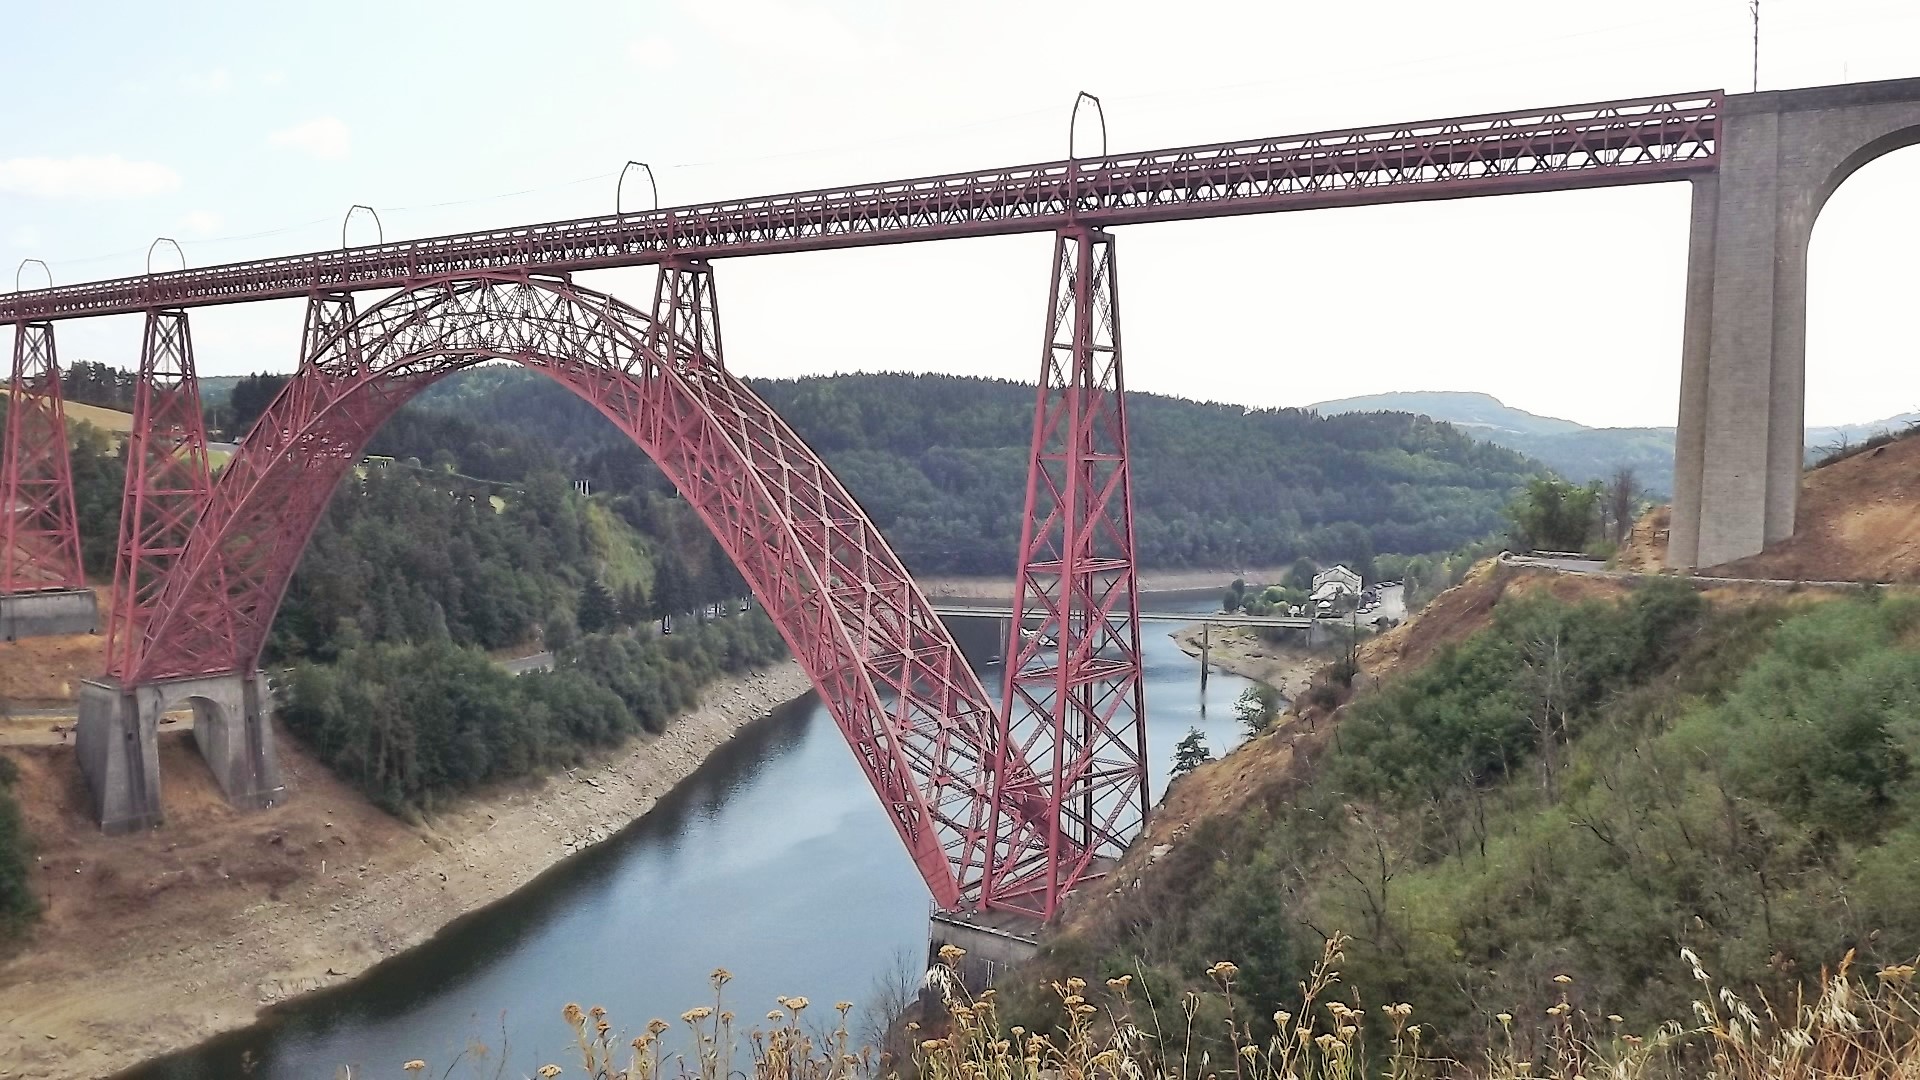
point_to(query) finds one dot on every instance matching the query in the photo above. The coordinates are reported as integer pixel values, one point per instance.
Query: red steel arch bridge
(1003, 809)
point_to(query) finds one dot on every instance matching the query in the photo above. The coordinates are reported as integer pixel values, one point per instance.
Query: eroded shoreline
(87, 1000)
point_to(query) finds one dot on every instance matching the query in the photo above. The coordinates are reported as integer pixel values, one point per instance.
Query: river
(773, 860)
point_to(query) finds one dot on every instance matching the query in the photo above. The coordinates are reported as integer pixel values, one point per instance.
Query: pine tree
(598, 611)
(1190, 752)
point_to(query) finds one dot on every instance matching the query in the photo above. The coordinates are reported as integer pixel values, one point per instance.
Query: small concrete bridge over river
(1002, 808)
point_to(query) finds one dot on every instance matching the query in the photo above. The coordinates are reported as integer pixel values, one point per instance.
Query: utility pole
(1754, 6)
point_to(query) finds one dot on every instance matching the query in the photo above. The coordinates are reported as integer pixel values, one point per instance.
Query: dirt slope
(38, 672)
(1859, 520)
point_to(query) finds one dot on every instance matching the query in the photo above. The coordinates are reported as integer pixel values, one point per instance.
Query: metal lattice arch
(911, 709)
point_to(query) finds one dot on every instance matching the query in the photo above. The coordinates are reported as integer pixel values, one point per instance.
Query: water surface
(773, 860)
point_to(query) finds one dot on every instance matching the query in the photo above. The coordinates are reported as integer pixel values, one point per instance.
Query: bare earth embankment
(155, 942)
(1240, 649)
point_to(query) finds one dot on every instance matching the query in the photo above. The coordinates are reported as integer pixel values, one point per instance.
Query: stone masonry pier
(118, 744)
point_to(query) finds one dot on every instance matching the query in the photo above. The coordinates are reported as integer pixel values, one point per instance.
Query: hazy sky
(247, 130)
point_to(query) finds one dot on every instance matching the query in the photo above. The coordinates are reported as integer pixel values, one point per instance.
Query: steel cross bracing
(1074, 711)
(916, 716)
(39, 529)
(1639, 140)
(168, 483)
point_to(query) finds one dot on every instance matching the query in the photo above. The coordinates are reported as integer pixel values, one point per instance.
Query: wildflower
(843, 1006)
(1347, 1031)
(1504, 1018)
(1280, 1018)
(572, 1014)
(694, 1016)
(721, 977)
(776, 1015)
(930, 1045)
(601, 1027)
(1075, 984)
(548, 1072)
(1326, 1042)
(1559, 1010)
(1897, 973)
(1224, 970)
(1120, 983)
(796, 1003)
(656, 1026)
(415, 1065)
(1563, 979)
(597, 1012)
(951, 954)
(1616, 1018)
(1250, 1051)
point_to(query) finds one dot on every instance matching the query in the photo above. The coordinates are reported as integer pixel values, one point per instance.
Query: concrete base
(994, 942)
(48, 614)
(119, 750)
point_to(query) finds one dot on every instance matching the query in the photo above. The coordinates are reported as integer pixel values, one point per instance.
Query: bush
(410, 723)
(17, 904)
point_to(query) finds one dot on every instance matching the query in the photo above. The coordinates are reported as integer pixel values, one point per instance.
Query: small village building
(1335, 581)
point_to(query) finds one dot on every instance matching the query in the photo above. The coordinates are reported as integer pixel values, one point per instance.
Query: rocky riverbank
(1239, 649)
(156, 942)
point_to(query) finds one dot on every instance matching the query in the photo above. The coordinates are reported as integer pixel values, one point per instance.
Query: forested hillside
(940, 463)
(1553, 809)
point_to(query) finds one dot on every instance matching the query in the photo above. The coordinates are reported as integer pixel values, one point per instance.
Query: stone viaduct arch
(916, 715)
(1738, 450)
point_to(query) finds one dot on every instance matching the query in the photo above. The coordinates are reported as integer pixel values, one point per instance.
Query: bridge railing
(1637, 140)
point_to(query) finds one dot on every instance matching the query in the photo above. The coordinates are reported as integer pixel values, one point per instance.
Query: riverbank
(1239, 649)
(153, 943)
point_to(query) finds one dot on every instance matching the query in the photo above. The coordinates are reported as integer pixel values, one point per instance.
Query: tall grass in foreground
(1854, 1027)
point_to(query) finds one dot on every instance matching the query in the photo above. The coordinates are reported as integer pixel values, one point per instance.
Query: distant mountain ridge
(1473, 411)
(1572, 449)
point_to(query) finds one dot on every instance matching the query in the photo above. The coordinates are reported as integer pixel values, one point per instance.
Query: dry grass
(112, 421)
(1854, 1027)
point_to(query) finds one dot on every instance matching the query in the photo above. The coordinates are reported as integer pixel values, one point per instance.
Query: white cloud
(217, 81)
(202, 222)
(653, 53)
(108, 177)
(324, 137)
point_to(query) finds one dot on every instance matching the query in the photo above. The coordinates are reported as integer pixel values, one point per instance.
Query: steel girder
(39, 529)
(167, 486)
(914, 713)
(1632, 141)
(1073, 706)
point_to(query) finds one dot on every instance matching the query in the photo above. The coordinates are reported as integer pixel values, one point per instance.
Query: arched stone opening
(1739, 445)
